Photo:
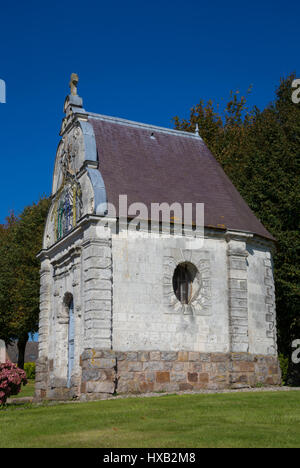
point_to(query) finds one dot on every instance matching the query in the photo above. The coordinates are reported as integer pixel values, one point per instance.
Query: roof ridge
(135, 124)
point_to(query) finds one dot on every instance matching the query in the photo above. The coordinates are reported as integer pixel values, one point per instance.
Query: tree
(19, 274)
(260, 152)
(7, 276)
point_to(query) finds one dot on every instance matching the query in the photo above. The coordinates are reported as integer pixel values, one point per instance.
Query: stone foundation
(107, 372)
(41, 378)
(50, 387)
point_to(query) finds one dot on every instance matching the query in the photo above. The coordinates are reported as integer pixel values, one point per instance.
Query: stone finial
(73, 84)
(73, 103)
(197, 130)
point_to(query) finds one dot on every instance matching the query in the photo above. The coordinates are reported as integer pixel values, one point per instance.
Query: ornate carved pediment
(69, 150)
(77, 183)
(67, 200)
(67, 206)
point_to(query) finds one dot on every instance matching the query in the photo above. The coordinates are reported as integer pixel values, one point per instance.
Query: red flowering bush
(11, 380)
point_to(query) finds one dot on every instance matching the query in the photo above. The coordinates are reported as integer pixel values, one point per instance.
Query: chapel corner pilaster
(45, 306)
(237, 271)
(97, 293)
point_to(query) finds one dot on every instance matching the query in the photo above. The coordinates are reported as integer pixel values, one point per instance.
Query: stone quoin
(124, 312)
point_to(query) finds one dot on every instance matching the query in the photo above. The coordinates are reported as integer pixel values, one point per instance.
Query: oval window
(183, 278)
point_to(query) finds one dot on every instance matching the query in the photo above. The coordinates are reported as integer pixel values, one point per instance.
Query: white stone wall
(237, 271)
(143, 319)
(240, 316)
(80, 265)
(46, 295)
(97, 290)
(261, 301)
(124, 299)
(66, 280)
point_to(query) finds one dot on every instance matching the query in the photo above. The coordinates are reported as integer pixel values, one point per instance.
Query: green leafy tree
(7, 276)
(19, 274)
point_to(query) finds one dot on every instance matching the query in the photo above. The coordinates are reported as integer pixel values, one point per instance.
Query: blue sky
(145, 61)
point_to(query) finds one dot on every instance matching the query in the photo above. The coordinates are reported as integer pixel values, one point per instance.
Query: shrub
(284, 364)
(29, 368)
(11, 380)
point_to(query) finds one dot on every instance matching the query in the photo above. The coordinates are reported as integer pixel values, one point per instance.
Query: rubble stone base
(41, 378)
(109, 372)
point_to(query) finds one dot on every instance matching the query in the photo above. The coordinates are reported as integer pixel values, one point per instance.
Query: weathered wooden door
(71, 339)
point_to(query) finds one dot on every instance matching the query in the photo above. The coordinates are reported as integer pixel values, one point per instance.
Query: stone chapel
(126, 312)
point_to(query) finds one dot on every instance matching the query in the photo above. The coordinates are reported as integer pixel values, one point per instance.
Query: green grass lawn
(266, 419)
(26, 391)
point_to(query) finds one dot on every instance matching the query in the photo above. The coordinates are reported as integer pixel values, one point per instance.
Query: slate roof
(153, 164)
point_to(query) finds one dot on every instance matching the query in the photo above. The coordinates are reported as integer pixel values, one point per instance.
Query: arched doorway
(71, 338)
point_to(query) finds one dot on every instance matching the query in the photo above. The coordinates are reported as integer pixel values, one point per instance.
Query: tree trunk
(22, 342)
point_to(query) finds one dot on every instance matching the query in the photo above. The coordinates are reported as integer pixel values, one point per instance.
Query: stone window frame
(201, 303)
